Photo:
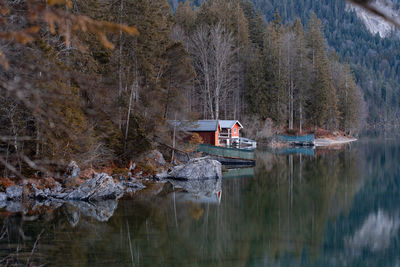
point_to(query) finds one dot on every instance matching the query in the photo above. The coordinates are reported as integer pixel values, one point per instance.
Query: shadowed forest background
(78, 82)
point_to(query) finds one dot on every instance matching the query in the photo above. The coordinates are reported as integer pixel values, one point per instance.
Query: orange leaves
(67, 3)
(51, 19)
(23, 37)
(62, 23)
(101, 28)
(57, 21)
(129, 30)
(4, 11)
(82, 23)
(3, 60)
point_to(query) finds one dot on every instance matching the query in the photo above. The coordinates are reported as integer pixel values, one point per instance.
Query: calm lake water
(319, 208)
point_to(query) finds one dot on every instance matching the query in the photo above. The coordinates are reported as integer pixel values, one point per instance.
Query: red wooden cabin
(209, 130)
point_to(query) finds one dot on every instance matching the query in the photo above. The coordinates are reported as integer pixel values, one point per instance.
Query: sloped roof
(228, 124)
(203, 126)
(197, 126)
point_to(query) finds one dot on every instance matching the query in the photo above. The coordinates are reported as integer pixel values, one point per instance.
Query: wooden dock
(227, 152)
(229, 156)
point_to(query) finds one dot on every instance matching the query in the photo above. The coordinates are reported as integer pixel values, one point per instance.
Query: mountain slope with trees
(290, 76)
(373, 60)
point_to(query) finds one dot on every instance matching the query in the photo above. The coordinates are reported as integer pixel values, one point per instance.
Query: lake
(331, 207)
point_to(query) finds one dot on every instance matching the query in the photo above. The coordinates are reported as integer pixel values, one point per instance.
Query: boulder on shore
(14, 192)
(157, 157)
(101, 186)
(196, 169)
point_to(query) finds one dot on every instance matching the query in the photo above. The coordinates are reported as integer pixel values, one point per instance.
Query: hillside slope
(357, 38)
(375, 24)
(374, 60)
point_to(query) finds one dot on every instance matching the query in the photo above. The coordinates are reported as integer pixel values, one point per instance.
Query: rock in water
(133, 186)
(3, 197)
(14, 192)
(197, 169)
(101, 186)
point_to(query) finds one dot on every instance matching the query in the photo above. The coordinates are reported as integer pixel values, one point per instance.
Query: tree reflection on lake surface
(336, 207)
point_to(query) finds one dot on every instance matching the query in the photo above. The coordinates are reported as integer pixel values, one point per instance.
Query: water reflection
(375, 234)
(336, 208)
(199, 191)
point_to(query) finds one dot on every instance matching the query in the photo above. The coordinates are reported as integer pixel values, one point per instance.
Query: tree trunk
(301, 119)
(128, 117)
(121, 7)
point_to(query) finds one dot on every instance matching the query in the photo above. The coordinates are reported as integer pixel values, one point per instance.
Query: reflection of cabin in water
(229, 131)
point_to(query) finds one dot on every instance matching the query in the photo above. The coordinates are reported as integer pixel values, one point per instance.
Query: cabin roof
(228, 124)
(197, 126)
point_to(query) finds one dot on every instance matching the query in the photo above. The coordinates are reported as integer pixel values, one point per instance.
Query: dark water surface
(336, 208)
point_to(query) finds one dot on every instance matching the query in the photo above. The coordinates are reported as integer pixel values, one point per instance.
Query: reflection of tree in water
(369, 234)
(296, 198)
(20, 245)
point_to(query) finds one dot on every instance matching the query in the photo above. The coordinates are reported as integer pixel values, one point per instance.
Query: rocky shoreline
(98, 195)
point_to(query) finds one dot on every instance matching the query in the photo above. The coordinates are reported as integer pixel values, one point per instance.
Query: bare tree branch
(367, 5)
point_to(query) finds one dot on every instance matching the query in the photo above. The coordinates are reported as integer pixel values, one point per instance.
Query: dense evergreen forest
(97, 81)
(276, 71)
(375, 61)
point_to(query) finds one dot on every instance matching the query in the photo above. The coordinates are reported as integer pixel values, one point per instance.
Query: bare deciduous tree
(213, 52)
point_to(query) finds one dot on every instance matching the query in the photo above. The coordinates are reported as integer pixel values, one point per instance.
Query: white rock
(157, 157)
(101, 186)
(3, 197)
(14, 192)
(197, 169)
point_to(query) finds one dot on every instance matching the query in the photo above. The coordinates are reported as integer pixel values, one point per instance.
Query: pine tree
(177, 80)
(351, 104)
(256, 93)
(301, 73)
(274, 71)
(322, 104)
(185, 17)
(255, 21)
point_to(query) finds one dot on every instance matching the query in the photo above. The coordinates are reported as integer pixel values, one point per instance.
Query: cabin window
(234, 130)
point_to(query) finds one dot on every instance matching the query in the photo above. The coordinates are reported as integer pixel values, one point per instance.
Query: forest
(373, 60)
(97, 81)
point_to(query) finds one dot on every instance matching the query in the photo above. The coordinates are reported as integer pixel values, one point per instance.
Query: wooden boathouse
(229, 131)
(213, 133)
(209, 130)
